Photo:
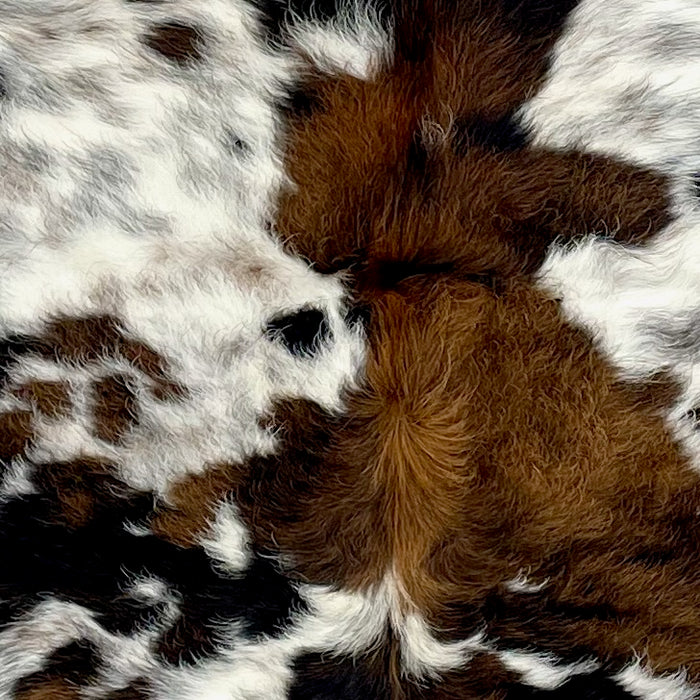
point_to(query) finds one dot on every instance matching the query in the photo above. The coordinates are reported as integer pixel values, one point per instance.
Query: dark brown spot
(48, 689)
(115, 408)
(144, 359)
(83, 340)
(89, 339)
(179, 43)
(50, 398)
(15, 433)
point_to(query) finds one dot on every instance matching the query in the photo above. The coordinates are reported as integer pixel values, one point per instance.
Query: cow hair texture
(349, 350)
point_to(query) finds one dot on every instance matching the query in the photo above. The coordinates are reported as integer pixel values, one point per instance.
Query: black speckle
(696, 184)
(693, 415)
(3, 84)
(302, 332)
(501, 134)
(235, 143)
(591, 686)
(179, 43)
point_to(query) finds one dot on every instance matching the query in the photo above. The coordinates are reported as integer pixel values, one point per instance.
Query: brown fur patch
(191, 506)
(510, 447)
(115, 407)
(491, 437)
(84, 340)
(15, 433)
(433, 436)
(52, 689)
(50, 398)
(391, 148)
(175, 41)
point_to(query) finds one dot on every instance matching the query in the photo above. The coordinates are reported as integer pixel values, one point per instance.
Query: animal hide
(349, 349)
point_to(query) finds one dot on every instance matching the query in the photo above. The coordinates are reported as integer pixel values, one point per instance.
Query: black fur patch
(179, 43)
(696, 184)
(693, 415)
(414, 41)
(537, 18)
(543, 622)
(591, 686)
(302, 333)
(94, 566)
(262, 601)
(75, 663)
(323, 677)
(502, 134)
(420, 165)
(387, 274)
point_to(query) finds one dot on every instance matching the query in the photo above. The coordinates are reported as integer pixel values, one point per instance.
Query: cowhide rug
(350, 349)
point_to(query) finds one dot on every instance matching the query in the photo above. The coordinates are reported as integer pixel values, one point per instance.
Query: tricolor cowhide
(348, 349)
